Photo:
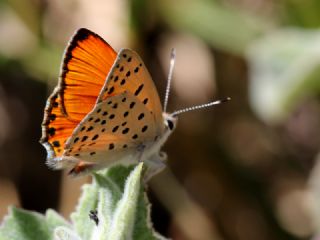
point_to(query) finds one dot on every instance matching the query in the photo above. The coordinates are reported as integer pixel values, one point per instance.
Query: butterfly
(106, 110)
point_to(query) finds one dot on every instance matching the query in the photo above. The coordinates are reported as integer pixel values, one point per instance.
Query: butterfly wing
(88, 59)
(129, 74)
(126, 118)
(116, 130)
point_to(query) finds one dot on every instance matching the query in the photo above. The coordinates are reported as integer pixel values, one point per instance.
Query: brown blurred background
(244, 170)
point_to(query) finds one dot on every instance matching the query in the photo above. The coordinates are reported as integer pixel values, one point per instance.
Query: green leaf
(54, 220)
(24, 225)
(123, 219)
(123, 210)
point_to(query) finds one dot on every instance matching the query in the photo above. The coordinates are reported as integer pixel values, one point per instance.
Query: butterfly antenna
(200, 106)
(172, 61)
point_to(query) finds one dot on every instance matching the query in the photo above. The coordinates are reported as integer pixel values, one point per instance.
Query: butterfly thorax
(169, 124)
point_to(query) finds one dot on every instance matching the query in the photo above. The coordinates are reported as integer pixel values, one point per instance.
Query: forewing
(87, 62)
(129, 74)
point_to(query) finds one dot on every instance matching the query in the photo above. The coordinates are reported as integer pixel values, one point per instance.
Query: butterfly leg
(155, 164)
(141, 149)
(81, 167)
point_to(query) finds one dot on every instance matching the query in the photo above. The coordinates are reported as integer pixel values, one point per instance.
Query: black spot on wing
(51, 131)
(144, 128)
(111, 90)
(115, 129)
(95, 137)
(136, 93)
(141, 116)
(132, 105)
(55, 104)
(56, 143)
(52, 117)
(125, 131)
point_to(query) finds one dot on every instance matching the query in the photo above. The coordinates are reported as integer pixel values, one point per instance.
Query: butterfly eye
(170, 124)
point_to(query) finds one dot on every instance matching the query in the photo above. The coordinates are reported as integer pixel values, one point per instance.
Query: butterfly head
(170, 121)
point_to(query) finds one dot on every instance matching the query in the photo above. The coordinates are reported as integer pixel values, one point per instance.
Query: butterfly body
(104, 111)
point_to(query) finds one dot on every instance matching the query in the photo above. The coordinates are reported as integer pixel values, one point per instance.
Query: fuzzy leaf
(24, 225)
(126, 212)
(123, 219)
(54, 220)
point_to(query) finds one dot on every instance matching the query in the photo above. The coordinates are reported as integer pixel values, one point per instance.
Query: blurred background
(244, 170)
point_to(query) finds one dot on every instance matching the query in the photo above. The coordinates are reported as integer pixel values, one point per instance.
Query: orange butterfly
(105, 109)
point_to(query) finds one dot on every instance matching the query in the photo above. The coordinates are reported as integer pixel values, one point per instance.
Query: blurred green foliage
(303, 14)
